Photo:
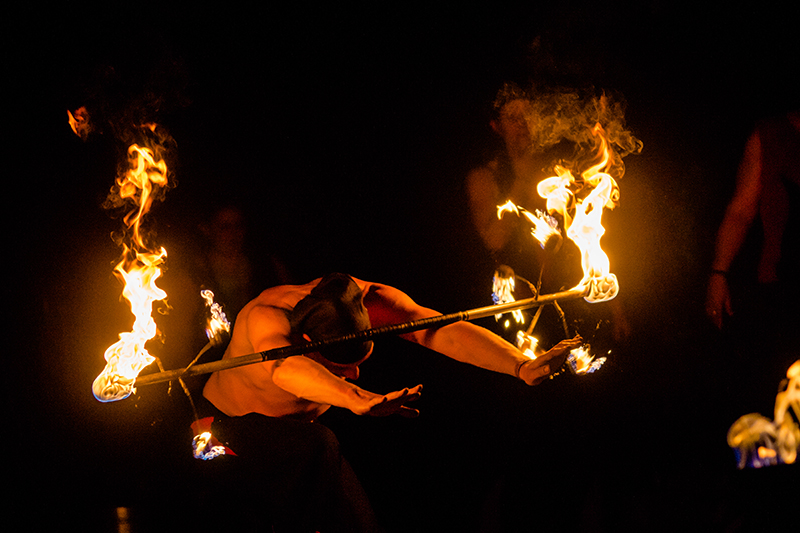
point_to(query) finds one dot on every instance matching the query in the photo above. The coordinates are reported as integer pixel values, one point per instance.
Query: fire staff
(263, 411)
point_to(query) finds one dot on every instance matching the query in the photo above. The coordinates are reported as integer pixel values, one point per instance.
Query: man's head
(511, 109)
(333, 308)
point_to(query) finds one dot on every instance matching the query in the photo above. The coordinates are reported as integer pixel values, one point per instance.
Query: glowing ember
(759, 441)
(582, 362)
(582, 217)
(139, 269)
(218, 325)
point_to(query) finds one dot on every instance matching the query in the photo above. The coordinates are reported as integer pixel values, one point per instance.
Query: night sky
(345, 136)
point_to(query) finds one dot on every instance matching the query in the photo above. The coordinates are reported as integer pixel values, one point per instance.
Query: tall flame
(584, 226)
(139, 269)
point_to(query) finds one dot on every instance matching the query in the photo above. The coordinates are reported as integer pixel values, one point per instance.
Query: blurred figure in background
(512, 173)
(753, 287)
(234, 272)
(767, 188)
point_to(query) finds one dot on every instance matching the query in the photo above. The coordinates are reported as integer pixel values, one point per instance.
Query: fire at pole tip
(110, 388)
(142, 180)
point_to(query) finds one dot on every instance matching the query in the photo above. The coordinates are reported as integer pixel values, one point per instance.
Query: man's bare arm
(464, 341)
(311, 381)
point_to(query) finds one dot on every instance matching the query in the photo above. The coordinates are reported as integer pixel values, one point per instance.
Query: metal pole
(361, 336)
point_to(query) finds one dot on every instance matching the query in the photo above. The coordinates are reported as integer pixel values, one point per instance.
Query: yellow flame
(582, 362)
(502, 292)
(139, 270)
(582, 217)
(542, 229)
(218, 324)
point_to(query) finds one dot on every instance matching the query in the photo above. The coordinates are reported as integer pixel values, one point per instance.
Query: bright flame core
(139, 269)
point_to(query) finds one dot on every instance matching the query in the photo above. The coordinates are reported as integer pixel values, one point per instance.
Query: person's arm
(739, 216)
(311, 381)
(464, 341)
(303, 377)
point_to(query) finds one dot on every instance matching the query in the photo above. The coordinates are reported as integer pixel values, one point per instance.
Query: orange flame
(581, 361)
(582, 217)
(139, 269)
(218, 325)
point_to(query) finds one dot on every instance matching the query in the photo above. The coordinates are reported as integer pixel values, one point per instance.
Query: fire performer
(264, 411)
(531, 143)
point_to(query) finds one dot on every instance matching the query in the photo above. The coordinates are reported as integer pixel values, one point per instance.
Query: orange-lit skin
(303, 387)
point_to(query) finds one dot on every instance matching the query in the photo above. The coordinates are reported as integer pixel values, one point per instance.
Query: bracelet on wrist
(519, 367)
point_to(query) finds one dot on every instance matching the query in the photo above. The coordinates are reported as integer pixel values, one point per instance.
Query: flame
(582, 362)
(544, 228)
(582, 216)
(139, 269)
(218, 325)
(528, 345)
(204, 445)
(503, 285)
(80, 122)
(759, 441)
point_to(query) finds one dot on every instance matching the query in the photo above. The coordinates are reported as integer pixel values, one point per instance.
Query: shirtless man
(264, 412)
(304, 387)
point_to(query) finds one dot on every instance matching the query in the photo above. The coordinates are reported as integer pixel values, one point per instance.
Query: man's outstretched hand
(388, 404)
(537, 370)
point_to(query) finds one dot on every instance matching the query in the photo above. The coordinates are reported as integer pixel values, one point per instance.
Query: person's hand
(389, 404)
(718, 300)
(537, 370)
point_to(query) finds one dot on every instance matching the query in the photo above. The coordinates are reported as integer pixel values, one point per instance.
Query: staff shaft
(361, 336)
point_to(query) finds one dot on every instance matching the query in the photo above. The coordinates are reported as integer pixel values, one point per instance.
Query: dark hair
(333, 308)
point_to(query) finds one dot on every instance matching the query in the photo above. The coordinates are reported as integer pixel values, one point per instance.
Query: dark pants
(291, 472)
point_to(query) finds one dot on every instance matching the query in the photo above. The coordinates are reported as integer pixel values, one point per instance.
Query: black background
(345, 134)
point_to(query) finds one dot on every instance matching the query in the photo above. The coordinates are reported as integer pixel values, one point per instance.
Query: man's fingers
(408, 412)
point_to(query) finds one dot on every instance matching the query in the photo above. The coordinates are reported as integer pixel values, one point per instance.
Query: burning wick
(581, 362)
(759, 441)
